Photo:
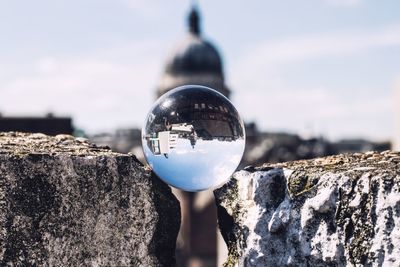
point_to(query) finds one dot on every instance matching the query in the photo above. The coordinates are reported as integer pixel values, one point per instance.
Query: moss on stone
(339, 199)
(233, 256)
(301, 182)
(66, 201)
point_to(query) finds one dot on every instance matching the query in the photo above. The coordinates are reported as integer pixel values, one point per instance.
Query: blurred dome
(194, 55)
(194, 61)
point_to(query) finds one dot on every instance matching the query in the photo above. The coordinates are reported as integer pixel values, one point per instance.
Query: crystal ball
(193, 138)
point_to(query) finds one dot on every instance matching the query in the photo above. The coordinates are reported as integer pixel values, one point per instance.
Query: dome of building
(194, 61)
(194, 55)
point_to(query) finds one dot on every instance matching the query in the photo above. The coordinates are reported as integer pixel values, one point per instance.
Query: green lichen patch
(342, 210)
(64, 201)
(301, 182)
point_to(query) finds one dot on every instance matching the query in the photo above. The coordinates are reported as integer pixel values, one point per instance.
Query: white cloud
(46, 65)
(265, 94)
(101, 91)
(321, 45)
(262, 65)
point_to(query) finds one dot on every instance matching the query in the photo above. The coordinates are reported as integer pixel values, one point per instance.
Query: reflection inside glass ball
(193, 138)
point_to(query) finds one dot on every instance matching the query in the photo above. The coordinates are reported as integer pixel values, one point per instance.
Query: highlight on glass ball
(193, 138)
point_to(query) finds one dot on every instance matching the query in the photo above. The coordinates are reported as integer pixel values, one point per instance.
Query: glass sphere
(193, 138)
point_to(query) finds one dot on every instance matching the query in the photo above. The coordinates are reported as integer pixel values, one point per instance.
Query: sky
(312, 67)
(185, 166)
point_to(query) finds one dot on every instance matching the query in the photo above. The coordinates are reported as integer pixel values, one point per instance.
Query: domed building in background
(194, 61)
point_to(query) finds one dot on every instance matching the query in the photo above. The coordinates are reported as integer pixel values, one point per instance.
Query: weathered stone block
(66, 202)
(336, 211)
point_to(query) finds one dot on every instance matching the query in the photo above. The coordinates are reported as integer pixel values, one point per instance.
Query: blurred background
(310, 78)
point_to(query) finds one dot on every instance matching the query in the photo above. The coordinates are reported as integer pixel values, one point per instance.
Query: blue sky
(325, 67)
(198, 168)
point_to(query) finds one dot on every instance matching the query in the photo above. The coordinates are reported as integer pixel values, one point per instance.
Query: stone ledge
(334, 211)
(66, 202)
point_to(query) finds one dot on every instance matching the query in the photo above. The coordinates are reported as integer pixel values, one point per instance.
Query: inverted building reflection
(207, 119)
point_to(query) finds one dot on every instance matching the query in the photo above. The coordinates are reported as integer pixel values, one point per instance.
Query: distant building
(123, 140)
(49, 125)
(163, 143)
(282, 147)
(194, 61)
(197, 61)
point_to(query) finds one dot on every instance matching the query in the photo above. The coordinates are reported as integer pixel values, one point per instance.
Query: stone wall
(335, 211)
(66, 202)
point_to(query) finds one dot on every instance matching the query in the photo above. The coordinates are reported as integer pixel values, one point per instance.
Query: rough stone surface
(66, 202)
(335, 211)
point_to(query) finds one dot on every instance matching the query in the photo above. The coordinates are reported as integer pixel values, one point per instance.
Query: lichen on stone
(335, 211)
(67, 202)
